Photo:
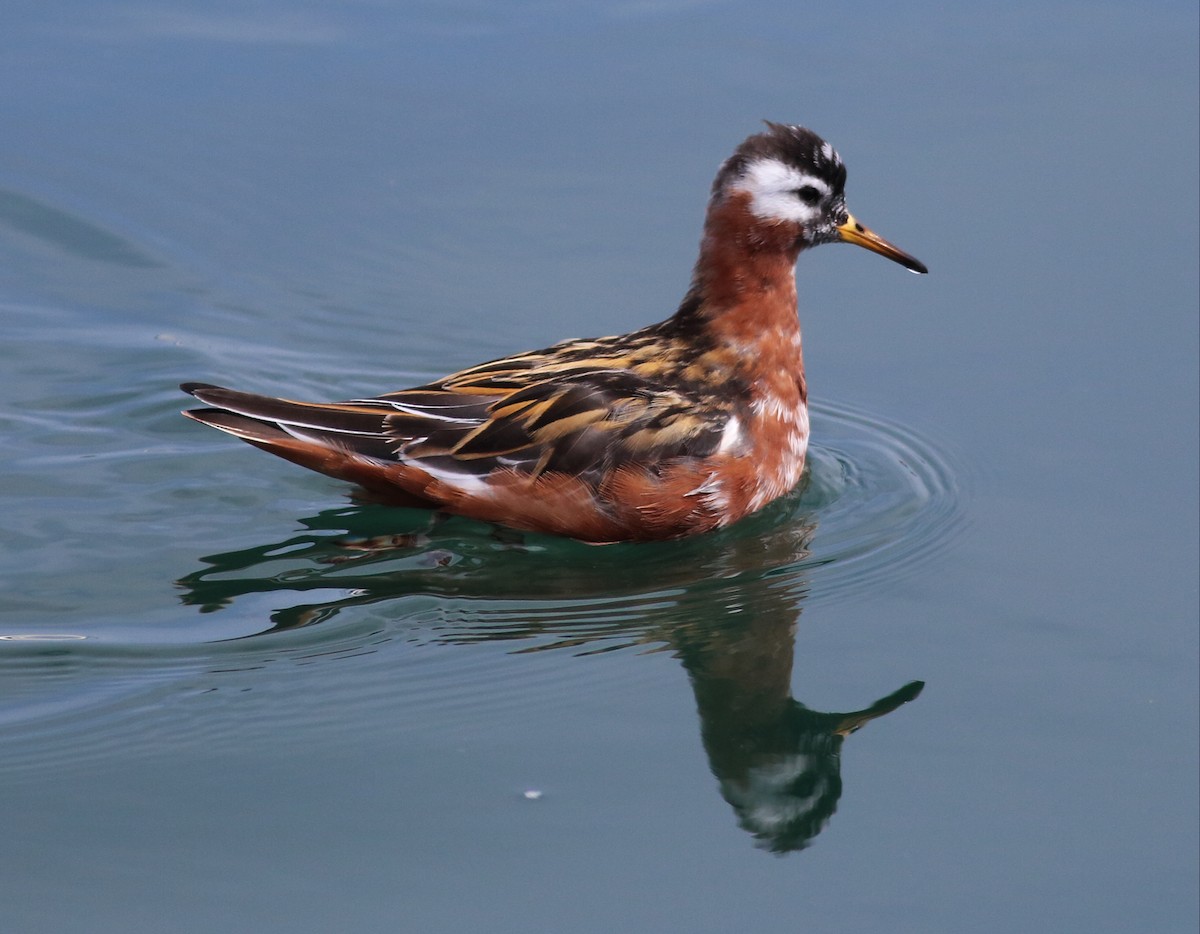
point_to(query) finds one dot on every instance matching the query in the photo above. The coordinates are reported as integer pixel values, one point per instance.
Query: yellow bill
(854, 232)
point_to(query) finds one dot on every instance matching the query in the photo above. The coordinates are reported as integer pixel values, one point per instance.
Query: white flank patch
(731, 437)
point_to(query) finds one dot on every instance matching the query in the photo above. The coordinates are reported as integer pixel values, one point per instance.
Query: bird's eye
(808, 194)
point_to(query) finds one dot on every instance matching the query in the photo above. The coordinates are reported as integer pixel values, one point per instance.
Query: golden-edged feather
(582, 407)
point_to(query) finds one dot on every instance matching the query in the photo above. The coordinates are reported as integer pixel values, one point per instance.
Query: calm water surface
(948, 684)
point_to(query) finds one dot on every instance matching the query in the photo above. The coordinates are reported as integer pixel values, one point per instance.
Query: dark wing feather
(581, 421)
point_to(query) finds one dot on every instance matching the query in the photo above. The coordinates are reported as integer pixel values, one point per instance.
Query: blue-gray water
(232, 698)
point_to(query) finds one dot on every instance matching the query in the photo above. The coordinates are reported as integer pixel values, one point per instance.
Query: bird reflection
(778, 763)
(726, 605)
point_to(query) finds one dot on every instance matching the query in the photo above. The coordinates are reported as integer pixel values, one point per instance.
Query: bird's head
(791, 178)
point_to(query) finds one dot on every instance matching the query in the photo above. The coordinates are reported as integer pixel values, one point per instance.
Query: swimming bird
(679, 428)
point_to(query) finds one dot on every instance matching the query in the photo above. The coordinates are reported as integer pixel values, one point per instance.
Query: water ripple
(877, 501)
(885, 498)
(388, 609)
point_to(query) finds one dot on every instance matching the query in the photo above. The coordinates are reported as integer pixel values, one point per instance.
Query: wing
(583, 423)
(581, 408)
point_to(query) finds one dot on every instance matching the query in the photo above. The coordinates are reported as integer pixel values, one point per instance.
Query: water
(234, 697)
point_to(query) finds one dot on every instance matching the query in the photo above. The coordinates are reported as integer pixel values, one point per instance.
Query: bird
(677, 429)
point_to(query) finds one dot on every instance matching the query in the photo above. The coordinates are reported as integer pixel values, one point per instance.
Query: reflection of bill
(731, 619)
(786, 797)
(808, 781)
(779, 764)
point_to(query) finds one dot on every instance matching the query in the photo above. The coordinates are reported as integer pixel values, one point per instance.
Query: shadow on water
(726, 605)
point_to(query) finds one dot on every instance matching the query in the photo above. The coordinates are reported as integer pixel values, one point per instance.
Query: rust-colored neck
(741, 253)
(743, 293)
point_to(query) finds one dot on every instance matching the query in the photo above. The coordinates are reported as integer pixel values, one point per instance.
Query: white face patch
(774, 188)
